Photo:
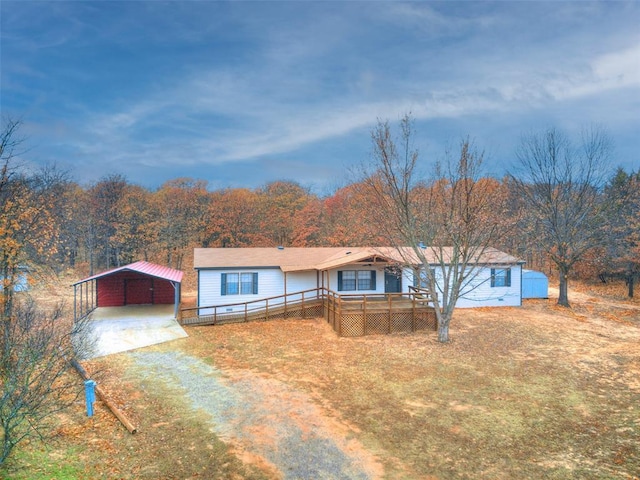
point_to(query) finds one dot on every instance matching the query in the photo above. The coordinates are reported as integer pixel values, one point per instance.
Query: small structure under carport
(139, 283)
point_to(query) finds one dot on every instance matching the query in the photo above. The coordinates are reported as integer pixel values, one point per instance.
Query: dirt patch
(265, 420)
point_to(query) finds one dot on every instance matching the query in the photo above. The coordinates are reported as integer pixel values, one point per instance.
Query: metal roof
(158, 271)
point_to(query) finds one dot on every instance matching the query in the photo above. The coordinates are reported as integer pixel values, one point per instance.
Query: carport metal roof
(158, 271)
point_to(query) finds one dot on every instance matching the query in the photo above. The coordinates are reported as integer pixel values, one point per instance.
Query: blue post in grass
(90, 395)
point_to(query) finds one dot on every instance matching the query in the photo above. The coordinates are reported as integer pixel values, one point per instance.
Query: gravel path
(264, 416)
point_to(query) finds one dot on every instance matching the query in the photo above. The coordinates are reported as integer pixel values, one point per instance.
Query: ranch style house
(229, 276)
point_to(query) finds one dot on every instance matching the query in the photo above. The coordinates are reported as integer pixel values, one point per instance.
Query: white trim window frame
(239, 283)
(355, 280)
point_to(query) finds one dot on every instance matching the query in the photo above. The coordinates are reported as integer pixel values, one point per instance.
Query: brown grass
(532, 392)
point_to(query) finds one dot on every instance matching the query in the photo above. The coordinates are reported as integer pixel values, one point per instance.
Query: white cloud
(300, 78)
(619, 69)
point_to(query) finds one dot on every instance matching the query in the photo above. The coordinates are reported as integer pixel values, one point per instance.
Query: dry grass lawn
(532, 392)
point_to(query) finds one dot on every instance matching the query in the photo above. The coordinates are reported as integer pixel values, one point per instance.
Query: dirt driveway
(266, 421)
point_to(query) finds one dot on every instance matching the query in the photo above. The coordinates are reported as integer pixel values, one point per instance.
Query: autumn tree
(561, 185)
(347, 216)
(9, 214)
(235, 220)
(52, 188)
(101, 212)
(183, 215)
(136, 225)
(33, 345)
(448, 222)
(621, 229)
(27, 227)
(280, 202)
(524, 241)
(307, 231)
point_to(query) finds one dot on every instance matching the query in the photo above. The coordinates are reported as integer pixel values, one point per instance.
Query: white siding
(270, 284)
(479, 292)
(299, 281)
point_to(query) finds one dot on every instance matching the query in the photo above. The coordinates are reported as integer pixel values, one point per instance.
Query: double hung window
(241, 283)
(356, 280)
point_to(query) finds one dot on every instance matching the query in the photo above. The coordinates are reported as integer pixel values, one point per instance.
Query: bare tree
(448, 222)
(561, 186)
(34, 346)
(34, 351)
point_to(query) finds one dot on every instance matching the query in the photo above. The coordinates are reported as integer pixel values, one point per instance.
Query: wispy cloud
(223, 84)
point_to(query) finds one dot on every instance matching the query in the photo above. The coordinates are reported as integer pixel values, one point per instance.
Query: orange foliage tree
(235, 220)
(348, 219)
(280, 202)
(182, 212)
(136, 225)
(27, 227)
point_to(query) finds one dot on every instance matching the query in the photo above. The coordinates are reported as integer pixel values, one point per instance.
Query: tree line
(561, 210)
(557, 216)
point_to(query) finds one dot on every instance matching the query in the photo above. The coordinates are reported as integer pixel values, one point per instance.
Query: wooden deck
(349, 315)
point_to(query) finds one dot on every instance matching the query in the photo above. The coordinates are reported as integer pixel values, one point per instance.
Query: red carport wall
(133, 288)
(139, 283)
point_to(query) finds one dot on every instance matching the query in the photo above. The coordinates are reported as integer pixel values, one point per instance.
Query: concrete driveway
(118, 329)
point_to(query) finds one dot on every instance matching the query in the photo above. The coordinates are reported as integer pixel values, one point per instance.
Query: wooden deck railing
(353, 315)
(348, 314)
(306, 303)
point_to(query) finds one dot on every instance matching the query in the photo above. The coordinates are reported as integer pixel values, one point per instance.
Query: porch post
(285, 294)
(364, 315)
(390, 306)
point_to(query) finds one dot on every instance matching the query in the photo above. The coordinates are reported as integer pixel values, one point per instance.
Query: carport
(139, 283)
(131, 307)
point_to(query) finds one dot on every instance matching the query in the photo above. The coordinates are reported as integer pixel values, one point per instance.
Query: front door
(392, 282)
(138, 291)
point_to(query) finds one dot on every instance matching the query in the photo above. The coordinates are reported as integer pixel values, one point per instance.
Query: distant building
(21, 283)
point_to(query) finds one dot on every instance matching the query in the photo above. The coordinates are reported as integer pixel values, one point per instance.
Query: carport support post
(90, 395)
(176, 298)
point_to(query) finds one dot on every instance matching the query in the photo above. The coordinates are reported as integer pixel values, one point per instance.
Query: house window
(244, 283)
(348, 280)
(364, 280)
(356, 280)
(500, 277)
(420, 278)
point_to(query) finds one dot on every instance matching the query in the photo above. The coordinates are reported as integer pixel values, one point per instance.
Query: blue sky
(243, 93)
